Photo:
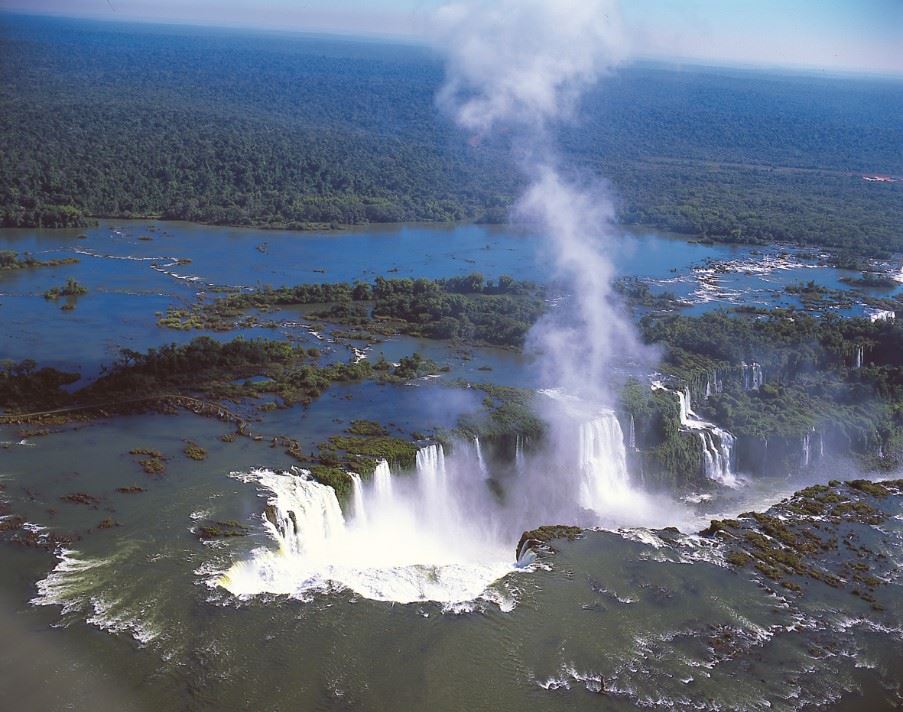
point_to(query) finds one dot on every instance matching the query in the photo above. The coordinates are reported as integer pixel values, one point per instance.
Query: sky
(851, 35)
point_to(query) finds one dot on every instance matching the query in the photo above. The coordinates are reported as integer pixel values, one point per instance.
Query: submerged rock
(820, 534)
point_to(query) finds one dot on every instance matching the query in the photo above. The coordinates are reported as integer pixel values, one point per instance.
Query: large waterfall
(603, 461)
(442, 532)
(404, 539)
(717, 443)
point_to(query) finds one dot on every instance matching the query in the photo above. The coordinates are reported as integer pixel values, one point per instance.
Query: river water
(139, 614)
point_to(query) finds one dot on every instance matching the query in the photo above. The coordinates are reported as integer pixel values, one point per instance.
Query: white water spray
(412, 544)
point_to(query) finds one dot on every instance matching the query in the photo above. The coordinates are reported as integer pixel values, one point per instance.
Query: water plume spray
(520, 67)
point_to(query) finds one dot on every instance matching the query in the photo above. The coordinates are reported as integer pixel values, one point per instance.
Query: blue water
(131, 280)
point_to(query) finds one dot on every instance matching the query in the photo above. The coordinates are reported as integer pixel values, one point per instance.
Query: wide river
(135, 615)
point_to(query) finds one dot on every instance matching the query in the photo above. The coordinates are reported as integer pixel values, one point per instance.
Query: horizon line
(414, 40)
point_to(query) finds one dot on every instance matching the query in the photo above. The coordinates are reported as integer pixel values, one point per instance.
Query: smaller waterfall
(807, 451)
(713, 384)
(484, 471)
(519, 453)
(717, 453)
(684, 398)
(717, 444)
(631, 434)
(382, 482)
(753, 376)
(357, 496)
(857, 359)
(821, 445)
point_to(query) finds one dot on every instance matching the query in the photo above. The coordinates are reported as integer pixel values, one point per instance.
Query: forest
(217, 126)
(469, 308)
(839, 376)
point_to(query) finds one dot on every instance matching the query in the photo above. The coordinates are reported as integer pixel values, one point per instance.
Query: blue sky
(863, 35)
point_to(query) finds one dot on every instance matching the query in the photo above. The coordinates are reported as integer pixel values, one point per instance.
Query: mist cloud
(523, 62)
(521, 66)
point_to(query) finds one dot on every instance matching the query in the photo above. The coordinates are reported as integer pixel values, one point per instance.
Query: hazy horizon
(835, 36)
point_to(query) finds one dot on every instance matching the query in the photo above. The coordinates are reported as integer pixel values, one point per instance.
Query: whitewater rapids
(446, 532)
(400, 543)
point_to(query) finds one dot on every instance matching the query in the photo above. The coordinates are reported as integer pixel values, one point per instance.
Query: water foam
(403, 542)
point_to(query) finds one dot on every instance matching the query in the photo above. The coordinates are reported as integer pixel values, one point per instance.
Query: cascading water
(404, 541)
(360, 511)
(482, 463)
(713, 384)
(808, 456)
(603, 462)
(631, 434)
(717, 443)
(518, 453)
(753, 376)
(857, 359)
(313, 518)
(440, 533)
(382, 483)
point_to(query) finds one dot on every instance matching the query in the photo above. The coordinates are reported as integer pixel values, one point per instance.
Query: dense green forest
(218, 126)
(470, 308)
(841, 376)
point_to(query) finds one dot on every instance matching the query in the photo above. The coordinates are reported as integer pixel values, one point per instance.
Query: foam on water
(80, 586)
(409, 547)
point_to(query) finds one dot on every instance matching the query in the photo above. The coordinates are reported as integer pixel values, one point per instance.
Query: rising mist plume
(520, 67)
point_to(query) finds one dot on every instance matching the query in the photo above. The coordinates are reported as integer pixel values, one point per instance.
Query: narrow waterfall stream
(717, 443)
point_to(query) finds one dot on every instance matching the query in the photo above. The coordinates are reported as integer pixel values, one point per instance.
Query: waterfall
(808, 455)
(303, 515)
(360, 512)
(518, 453)
(602, 459)
(482, 463)
(857, 361)
(440, 533)
(752, 375)
(382, 482)
(407, 538)
(684, 398)
(717, 444)
(631, 434)
(713, 385)
(717, 453)
(431, 472)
